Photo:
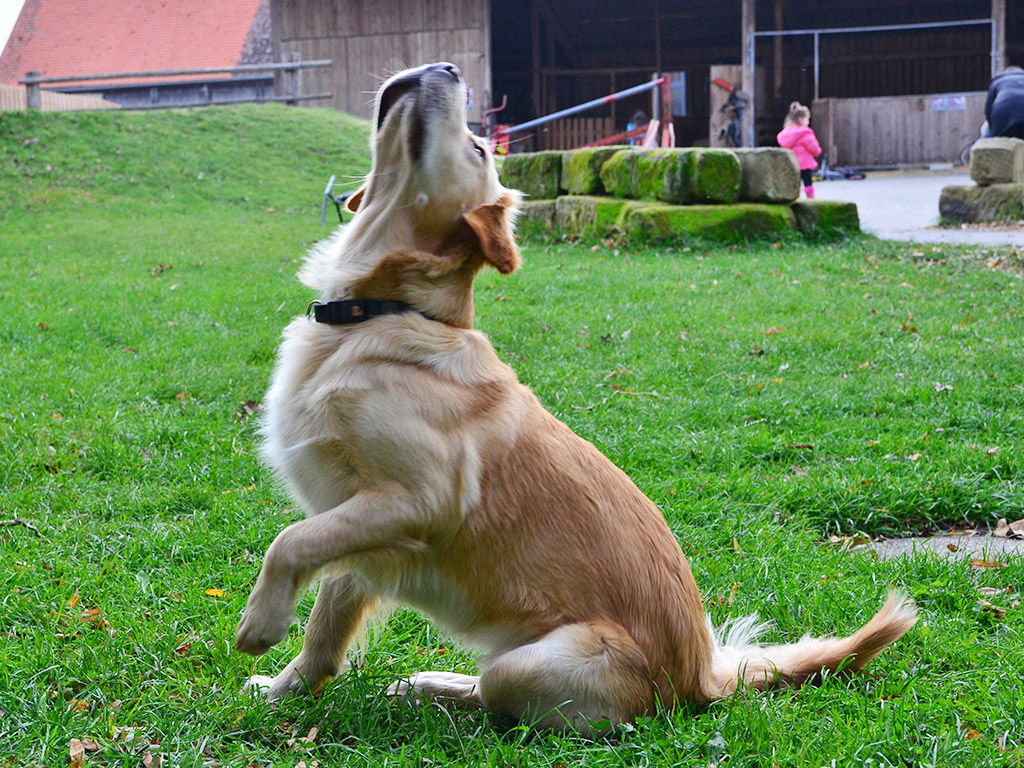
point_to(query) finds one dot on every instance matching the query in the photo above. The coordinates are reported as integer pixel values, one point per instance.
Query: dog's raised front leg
(337, 615)
(368, 523)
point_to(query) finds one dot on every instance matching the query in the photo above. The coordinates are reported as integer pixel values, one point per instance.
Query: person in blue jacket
(1004, 107)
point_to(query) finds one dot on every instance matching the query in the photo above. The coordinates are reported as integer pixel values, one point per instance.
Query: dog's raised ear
(492, 227)
(353, 200)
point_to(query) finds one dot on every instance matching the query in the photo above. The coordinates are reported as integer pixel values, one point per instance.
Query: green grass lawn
(766, 397)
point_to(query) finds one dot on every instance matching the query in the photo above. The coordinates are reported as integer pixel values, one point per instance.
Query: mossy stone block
(582, 215)
(826, 216)
(628, 174)
(723, 223)
(718, 176)
(581, 169)
(680, 176)
(536, 174)
(996, 202)
(536, 217)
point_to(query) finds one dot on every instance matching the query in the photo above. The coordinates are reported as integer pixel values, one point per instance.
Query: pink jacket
(803, 142)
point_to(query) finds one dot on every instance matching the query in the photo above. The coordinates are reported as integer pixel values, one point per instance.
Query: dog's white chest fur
(362, 408)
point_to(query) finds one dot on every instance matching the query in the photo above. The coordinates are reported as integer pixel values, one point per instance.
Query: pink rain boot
(810, 192)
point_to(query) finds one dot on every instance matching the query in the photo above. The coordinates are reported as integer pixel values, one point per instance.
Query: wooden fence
(291, 70)
(572, 132)
(898, 130)
(12, 98)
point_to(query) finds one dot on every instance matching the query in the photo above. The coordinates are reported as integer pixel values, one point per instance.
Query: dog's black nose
(451, 69)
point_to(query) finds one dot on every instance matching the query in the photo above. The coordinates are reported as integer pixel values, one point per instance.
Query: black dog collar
(354, 310)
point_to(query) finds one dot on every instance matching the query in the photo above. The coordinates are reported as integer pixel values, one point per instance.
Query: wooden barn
(891, 83)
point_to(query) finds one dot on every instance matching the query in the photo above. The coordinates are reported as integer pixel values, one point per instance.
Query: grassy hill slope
(274, 156)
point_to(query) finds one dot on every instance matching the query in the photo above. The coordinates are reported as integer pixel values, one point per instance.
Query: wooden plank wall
(897, 130)
(370, 39)
(573, 132)
(12, 98)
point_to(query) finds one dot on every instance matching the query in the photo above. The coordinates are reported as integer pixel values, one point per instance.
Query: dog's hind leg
(580, 677)
(340, 607)
(450, 686)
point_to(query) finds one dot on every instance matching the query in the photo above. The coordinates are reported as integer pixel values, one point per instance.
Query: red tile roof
(76, 37)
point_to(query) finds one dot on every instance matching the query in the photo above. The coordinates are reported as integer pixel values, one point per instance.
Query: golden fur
(431, 476)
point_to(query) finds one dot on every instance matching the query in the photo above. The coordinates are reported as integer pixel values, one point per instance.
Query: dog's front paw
(257, 631)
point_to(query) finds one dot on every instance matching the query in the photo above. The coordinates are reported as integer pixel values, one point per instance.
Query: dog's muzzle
(409, 81)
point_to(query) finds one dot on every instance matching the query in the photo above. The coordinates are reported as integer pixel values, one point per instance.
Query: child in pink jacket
(797, 135)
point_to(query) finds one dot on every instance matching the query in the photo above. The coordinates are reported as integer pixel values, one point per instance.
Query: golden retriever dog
(431, 477)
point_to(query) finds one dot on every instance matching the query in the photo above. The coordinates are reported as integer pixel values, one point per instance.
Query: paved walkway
(904, 205)
(983, 547)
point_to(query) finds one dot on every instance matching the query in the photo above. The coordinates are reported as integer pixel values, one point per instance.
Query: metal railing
(663, 110)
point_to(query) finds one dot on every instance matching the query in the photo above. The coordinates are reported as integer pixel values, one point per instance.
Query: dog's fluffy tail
(737, 661)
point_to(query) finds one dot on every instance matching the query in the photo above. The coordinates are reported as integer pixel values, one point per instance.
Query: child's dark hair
(796, 112)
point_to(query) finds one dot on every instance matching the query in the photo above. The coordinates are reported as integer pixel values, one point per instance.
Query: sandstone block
(768, 174)
(536, 217)
(826, 216)
(581, 169)
(725, 223)
(536, 174)
(995, 202)
(998, 160)
(679, 176)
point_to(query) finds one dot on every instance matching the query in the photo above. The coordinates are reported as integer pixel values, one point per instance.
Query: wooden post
(535, 57)
(291, 78)
(33, 93)
(748, 26)
(777, 48)
(998, 36)
(657, 38)
(668, 134)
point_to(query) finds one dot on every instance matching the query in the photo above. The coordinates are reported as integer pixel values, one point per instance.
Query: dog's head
(432, 211)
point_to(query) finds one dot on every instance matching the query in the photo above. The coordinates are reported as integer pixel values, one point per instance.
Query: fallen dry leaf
(247, 409)
(974, 733)
(773, 331)
(979, 565)
(940, 387)
(995, 590)
(953, 547)
(995, 610)
(182, 396)
(73, 600)
(732, 594)
(214, 592)
(1014, 530)
(848, 542)
(76, 751)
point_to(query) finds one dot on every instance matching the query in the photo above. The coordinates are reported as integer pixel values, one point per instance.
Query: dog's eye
(479, 151)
